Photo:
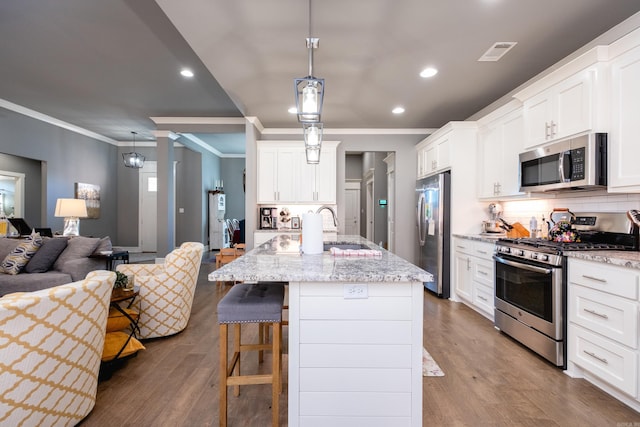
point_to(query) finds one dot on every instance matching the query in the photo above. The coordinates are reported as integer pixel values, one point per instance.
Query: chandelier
(309, 92)
(133, 159)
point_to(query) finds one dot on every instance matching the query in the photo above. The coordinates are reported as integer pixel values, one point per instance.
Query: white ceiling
(107, 66)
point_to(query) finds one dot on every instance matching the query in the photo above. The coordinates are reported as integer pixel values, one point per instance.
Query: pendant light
(309, 90)
(312, 141)
(133, 159)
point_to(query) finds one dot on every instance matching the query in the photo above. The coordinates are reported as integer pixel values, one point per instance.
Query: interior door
(352, 208)
(148, 214)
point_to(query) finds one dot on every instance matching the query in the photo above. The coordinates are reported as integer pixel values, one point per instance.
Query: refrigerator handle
(419, 217)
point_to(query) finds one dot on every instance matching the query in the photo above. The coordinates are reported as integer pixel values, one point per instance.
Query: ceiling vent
(497, 51)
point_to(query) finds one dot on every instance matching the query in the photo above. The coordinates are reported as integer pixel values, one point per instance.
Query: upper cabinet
(285, 177)
(566, 102)
(624, 149)
(500, 143)
(434, 155)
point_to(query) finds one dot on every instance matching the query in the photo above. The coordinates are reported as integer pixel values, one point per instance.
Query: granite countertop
(291, 230)
(280, 260)
(629, 259)
(489, 237)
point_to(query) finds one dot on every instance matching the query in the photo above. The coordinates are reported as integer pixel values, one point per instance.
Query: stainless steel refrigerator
(433, 205)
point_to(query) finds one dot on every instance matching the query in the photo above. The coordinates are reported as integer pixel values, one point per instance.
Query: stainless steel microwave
(578, 163)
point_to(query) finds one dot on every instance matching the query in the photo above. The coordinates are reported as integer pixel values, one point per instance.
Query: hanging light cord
(310, 44)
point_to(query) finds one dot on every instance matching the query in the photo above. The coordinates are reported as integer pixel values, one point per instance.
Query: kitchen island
(355, 331)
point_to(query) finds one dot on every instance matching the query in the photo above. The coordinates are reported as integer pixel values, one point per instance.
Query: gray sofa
(58, 261)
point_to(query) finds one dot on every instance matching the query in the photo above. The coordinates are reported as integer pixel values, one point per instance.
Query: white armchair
(51, 344)
(166, 290)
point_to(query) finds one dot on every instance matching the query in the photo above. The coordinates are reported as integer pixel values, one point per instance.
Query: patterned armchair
(166, 290)
(50, 349)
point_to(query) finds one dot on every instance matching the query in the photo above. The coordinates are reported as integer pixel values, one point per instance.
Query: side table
(110, 257)
(122, 326)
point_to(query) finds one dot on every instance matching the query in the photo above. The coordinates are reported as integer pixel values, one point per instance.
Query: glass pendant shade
(312, 135)
(313, 155)
(309, 96)
(133, 160)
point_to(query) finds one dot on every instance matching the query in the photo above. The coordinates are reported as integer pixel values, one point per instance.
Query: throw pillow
(77, 247)
(20, 256)
(114, 341)
(103, 245)
(48, 253)
(118, 321)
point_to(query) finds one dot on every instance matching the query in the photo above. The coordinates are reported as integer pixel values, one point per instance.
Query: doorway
(352, 207)
(148, 213)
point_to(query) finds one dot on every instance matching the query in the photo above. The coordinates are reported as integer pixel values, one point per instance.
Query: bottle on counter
(533, 227)
(544, 228)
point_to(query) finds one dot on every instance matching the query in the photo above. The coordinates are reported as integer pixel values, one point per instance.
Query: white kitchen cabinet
(317, 183)
(500, 143)
(560, 111)
(624, 150)
(285, 177)
(434, 154)
(276, 167)
(462, 273)
(603, 327)
(474, 274)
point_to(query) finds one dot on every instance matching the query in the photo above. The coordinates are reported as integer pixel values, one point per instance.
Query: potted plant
(121, 281)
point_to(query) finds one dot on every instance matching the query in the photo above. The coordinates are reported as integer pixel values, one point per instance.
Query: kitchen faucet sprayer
(333, 213)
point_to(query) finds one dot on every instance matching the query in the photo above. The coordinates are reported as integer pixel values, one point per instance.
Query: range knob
(534, 256)
(545, 258)
(520, 252)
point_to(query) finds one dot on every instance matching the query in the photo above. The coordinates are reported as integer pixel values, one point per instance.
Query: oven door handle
(523, 266)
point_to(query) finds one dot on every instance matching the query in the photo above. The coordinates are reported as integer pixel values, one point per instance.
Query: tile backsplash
(298, 210)
(522, 210)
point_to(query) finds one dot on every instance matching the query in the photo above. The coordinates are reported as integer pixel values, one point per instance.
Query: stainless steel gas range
(531, 285)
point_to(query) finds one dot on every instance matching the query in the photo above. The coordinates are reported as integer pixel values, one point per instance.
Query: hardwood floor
(490, 380)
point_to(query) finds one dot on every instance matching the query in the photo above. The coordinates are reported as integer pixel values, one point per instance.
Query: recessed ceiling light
(428, 72)
(292, 110)
(398, 110)
(185, 72)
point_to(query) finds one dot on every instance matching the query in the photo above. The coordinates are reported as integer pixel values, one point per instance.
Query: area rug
(429, 366)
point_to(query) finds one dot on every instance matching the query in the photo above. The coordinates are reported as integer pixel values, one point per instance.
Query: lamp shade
(75, 208)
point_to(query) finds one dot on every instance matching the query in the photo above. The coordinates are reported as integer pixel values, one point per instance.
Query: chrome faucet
(333, 213)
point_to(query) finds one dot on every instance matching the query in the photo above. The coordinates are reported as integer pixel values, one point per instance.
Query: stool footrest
(250, 379)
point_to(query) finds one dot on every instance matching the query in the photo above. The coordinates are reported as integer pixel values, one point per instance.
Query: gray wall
(353, 166)
(69, 157)
(231, 171)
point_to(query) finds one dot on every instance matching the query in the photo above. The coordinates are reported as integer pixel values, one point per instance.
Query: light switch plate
(356, 291)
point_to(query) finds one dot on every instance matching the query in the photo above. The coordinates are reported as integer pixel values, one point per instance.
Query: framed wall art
(91, 195)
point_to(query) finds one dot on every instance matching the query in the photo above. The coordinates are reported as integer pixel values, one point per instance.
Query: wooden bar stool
(250, 303)
(225, 256)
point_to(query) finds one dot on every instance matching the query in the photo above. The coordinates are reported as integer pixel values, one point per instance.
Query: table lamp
(72, 210)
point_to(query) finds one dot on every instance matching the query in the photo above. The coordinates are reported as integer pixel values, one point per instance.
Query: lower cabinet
(473, 274)
(603, 331)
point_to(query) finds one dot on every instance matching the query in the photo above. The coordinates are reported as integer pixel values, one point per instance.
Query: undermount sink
(328, 245)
